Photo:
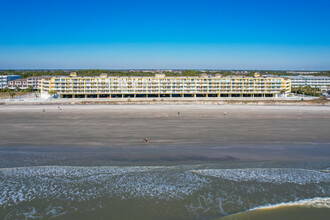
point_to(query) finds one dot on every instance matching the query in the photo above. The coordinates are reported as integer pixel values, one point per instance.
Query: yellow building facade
(162, 86)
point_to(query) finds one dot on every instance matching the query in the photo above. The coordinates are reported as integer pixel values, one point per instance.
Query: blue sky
(181, 34)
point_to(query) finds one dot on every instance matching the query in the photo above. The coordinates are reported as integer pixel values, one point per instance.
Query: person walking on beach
(146, 141)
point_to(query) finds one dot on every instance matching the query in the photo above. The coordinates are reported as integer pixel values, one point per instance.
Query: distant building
(321, 82)
(4, 79)
(301, 72)
(269, 76)
(104, 75)
(240, 72)
(73, 74)
(163, 86)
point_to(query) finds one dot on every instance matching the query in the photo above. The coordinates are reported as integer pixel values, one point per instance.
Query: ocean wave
(268, 175)
(317, 202)
(82, 183)
(196, 190)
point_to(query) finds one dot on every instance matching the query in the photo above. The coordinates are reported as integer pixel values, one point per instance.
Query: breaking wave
(317, 202)
(83, 183)
(268, 175)
(195, 192)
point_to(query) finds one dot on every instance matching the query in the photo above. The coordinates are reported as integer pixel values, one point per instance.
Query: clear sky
(179, 34)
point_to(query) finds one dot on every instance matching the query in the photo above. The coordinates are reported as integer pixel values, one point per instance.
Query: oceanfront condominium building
(4, 79)
(321, 82)
(162, 86)
(33, 82)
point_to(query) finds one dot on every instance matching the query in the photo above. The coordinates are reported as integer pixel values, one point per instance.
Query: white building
(321, 82)
(4, 79)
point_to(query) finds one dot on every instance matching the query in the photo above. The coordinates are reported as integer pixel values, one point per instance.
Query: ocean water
(203, 191)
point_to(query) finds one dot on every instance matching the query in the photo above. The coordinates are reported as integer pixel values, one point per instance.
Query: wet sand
(99, 134)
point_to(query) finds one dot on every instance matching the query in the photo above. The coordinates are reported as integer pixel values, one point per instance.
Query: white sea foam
(59, 183)
(268, 175)
(317, 202)
(83, 183)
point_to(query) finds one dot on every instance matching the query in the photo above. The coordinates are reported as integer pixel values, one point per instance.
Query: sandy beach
(106, 133)
(202, 161)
